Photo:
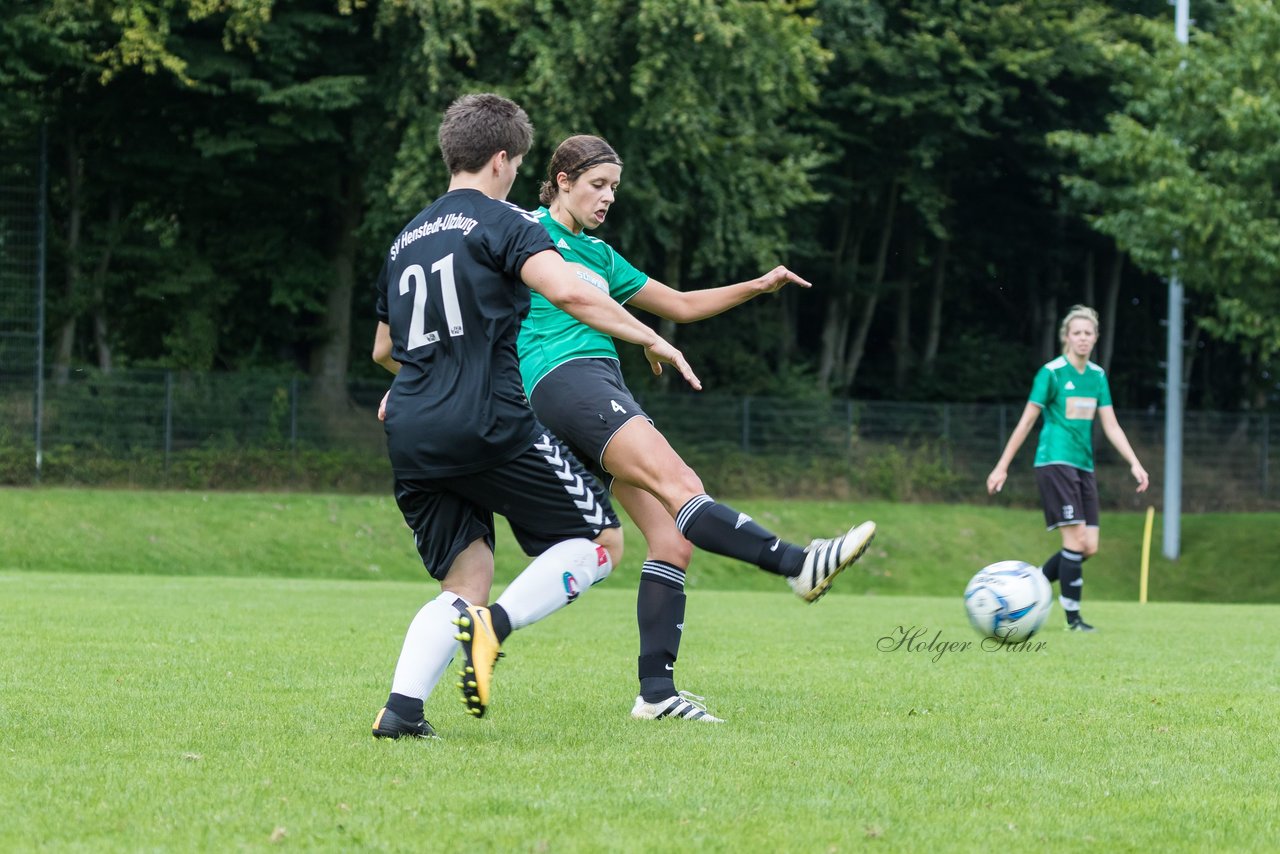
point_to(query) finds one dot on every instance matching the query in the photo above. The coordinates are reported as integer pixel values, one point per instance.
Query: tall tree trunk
(859, 346)
(902, 322)
(838, 316)
(853, 360)
(1110, 300)
(1044, 318)
(101, 329)
(933, 336)
(1050, 346)
(1090, 285)
(786, 318)
(66, 336)
(330, 357)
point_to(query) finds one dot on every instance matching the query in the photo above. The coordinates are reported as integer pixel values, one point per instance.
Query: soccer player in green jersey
(463, 445)
(572, 377)
(1070, 391)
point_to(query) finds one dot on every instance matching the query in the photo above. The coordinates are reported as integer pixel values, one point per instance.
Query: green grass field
(184, 699)
(920, 549)
(219, 714)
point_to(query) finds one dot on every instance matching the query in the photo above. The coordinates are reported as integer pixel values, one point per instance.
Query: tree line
(224, 176)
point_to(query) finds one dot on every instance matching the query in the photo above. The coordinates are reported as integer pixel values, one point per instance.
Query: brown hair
(476, 127)
(1076, 312)
(574, 156)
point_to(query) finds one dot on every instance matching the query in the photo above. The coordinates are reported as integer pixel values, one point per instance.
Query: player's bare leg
(641, 456)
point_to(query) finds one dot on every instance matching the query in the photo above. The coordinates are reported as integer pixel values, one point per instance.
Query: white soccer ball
(1009, 600)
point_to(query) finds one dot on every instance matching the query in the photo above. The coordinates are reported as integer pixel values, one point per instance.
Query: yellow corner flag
(1146, 555)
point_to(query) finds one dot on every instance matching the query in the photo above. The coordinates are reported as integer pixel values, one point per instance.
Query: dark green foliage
(224, 177)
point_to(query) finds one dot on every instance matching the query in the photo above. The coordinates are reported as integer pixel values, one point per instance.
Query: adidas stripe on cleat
(480, 649)
(684, 706)
(390, 725)
(825, 559)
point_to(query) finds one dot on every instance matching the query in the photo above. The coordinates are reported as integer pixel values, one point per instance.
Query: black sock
(501, 622)
(1050, 568)
(720, 529)
(1071, 581)
(409, 708)
(660, 614)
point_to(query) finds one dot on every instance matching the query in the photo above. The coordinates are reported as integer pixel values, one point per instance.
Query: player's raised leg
(641, 456)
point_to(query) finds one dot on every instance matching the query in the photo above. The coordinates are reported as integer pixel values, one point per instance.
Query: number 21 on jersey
(414, 276)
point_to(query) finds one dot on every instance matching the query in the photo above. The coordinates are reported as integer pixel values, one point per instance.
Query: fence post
(1003, 430)
(746, 425)
(168, 418)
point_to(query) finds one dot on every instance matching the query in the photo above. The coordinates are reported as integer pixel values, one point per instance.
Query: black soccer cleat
(390, 725)
(1076, 624)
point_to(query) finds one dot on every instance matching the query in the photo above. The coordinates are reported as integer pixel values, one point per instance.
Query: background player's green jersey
(549, 337)
(1070, 400)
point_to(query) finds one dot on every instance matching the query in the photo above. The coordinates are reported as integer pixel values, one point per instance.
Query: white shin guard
(554, 579)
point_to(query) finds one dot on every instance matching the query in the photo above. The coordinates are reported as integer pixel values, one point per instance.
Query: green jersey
(549, 337)
(1069, 400)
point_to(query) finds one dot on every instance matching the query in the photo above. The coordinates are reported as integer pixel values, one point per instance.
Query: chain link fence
(21, 287)
(252, 431)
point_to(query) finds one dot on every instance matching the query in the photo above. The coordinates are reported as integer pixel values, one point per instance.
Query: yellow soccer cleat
(480, 650)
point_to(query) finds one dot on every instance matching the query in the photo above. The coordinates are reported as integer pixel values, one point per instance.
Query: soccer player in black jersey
(463, 442)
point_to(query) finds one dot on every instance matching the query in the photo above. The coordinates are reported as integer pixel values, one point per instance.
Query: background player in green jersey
(572, 376)
(1070, 391)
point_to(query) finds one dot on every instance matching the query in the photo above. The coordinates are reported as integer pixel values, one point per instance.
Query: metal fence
(22, 278)
(260, 431)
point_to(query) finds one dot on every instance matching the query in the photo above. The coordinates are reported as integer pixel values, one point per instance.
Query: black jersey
(451, 292)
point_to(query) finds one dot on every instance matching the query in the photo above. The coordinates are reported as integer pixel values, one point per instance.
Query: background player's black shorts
(1070, 496)
(545, 493)
(585, 402)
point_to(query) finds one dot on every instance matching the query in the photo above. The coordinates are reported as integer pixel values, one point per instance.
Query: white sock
(429, 646)
(554, 579)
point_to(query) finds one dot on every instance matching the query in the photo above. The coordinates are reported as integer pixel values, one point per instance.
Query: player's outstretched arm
(1115, 435)
(999, 474)
(688, 306)
(550, 275)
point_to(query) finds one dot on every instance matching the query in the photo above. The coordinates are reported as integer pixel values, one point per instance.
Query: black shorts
(1070, 496)
(545, 493)
(585, 402)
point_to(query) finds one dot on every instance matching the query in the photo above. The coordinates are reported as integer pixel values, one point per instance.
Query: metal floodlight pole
(1172, 538)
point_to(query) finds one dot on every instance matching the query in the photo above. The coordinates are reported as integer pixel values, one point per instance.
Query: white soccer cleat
(825, 559)
(684, 705)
